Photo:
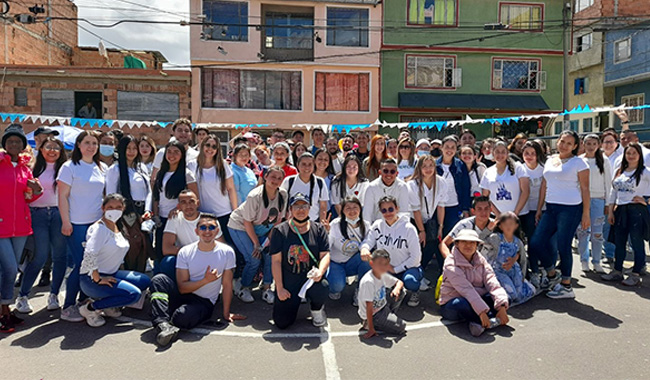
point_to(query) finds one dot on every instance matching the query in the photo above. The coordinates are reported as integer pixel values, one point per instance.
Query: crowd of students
(298, 221)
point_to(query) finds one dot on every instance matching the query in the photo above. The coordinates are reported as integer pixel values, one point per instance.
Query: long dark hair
(41, 164)
(505, 216)
(640, 166)
(575, 136)
(76, 152)
(344, 223)
(330, 168)
(177, 182)
(539, 151)
(218, 162)
(123, 167)
(513, 144)
(509, 161)
(342, 177)
(600, 160)
(294, 156)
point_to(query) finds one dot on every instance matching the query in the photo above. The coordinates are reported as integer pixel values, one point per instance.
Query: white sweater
(376, 190)
(600, 184)
(342, 249)
(400, 240)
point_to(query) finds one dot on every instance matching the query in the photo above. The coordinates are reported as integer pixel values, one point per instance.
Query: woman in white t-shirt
(565, 189)
(600, 185)
(350, 182)
(628, 214)
(405, 158)
(467, 154)
(506, 183)
(101, 278)
(172, 178)
(534, 157)
(217, 192)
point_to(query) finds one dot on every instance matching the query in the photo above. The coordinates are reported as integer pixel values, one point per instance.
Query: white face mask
(113, 215)
(353, 221)
(423, 153)
(489, 157)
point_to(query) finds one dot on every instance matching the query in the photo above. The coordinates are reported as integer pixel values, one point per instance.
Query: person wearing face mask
(487, 158)
(423, 147)
(436, 150)
(101, 278)
(107, 148)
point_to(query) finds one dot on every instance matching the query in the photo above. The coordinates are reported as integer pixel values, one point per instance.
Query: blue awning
(472, 101)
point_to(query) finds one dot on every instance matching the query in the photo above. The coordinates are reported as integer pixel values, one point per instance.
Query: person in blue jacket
(455, 173)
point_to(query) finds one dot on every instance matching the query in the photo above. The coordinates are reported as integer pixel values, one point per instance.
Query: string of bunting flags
(99, 123)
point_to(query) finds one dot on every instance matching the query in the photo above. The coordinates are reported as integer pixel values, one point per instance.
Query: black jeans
(285, 312)
(184, 311)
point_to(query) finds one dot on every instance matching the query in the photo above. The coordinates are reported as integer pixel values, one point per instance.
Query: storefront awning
(471, 101)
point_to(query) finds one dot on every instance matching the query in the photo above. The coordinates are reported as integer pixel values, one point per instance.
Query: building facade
(445, 59)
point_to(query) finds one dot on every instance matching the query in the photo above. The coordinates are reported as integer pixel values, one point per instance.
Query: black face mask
(301, 221)
(435, 152)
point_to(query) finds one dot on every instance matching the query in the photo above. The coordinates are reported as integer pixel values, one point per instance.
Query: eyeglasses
(385, 210)
(211, 146)
(52, 148)
(207, 227)
(405, 147)
(389, 171)
(301, 207)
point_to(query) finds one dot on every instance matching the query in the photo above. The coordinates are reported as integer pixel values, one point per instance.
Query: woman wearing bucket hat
(470, 290)
(18, 188)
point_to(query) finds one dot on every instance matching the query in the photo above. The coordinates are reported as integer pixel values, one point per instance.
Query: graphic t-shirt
(625, 187)
(504, 188)
(253, 210)
(373, 289)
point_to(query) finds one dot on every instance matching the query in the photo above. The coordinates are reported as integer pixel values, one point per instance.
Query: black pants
(185, 311)
(285, 312)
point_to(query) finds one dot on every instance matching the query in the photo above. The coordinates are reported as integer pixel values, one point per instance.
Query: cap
(45, 131)
(436, 141)
(14, 130)
(468, 235)
(423, 141)
(298, 197)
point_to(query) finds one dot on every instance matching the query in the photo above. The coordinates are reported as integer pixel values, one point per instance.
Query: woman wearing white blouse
(350, 182)
(506, 183)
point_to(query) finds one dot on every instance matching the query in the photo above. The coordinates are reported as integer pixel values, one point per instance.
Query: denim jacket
(458, 170)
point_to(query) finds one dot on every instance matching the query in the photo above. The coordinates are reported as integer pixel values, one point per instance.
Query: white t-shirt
(210, 195)
(185, 229)
(452, 197)
(221, 258)
(625, 187)
(358, 190)
(319, 193)
(504, 188)
(600, 184)
(405, 169)
(427, 204)
(190, 154)
(47, 180)
(562, 184)
(470, 224)
(104, 250)
(535, 177)
(138, 180)
(166, 205)
(475, 176)
(375, 290)
(86, 183)
(342, 249)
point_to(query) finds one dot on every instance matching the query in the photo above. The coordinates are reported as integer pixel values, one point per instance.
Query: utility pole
(566, 43)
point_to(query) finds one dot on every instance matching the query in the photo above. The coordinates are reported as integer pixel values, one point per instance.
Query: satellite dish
(102, 49)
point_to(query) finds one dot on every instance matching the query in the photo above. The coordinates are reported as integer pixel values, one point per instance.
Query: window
(20, 97)
(558, 127)
(231, 14)
(347, 27)
(581, 5)
(584, 42)
(251, 89)
(147, 106)
(342, 92)
(510, 74)
(587, 125)
(521, 16)
(581, 86)
(573, 125)
(622, 50)
(289, 31)
(635, 116)
(432, 12)
(431, 72)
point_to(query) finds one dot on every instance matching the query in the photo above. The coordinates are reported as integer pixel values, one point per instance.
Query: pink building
(285, 62)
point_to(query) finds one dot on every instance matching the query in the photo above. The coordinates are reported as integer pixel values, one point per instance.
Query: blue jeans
(560, 221)
(610, 248)
(459, 309)
(245, 246)
(10, 251)
(158, 238)
(452, 216)
(48, 240)
(632, 227)
(126, 291)
(338, 272)
(411, 278)
(76, 248)
(168, 266)
(594, 233)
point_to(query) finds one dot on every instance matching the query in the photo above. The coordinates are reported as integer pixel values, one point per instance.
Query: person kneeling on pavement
(470, 290)
(201, 270)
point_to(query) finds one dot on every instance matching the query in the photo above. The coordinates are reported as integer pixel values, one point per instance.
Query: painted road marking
(329, 355)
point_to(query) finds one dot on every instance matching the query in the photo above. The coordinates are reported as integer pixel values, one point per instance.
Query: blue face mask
(106, 150)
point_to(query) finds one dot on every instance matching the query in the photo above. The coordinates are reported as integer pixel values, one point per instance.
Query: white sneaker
(599, 269)
(424, 285)
(414, 300)
(93, 318)
(236, 286)
(335, 296)
(23, 306)
(319, 319)
(268, 296)
(585, 266)
(245, 295)
(561, 292)
(112, 312)
(53, 302)
(71, 314)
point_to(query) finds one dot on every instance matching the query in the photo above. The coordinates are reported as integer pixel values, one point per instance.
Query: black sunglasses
(389, 171)
(206, 227)
(405, 147)
(385, 210)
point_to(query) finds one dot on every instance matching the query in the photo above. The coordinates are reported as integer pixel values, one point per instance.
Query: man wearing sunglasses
(201, 270)
(388, 183)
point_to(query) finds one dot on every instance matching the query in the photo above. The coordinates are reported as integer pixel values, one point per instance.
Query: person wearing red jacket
(17, 188)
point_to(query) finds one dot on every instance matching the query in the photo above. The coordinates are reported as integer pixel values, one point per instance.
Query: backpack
(312, 179)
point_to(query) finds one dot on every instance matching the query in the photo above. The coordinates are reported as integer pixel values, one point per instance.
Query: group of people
(298, 221)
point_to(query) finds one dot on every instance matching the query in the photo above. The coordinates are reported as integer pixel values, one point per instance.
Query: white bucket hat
(468, 235)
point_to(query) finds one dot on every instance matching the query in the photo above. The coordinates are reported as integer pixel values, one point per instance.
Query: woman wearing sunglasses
(406, 158)
(397, 235)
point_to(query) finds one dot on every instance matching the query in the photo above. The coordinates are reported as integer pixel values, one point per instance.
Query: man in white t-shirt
(479, 222)
(180, 231)
(182, 132)
(306, 182)
(387, 184)
(202, 269)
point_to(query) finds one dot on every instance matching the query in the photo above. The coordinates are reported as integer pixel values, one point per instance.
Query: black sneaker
(167, 333)
(5, 325)
(45, 279)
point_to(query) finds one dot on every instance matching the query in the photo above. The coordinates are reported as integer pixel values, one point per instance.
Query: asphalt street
(603, 333)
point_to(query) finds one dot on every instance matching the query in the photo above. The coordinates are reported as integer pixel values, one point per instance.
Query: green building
(445, 59)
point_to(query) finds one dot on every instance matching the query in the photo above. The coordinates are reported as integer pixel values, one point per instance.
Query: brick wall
(91, 57)
(607, 8)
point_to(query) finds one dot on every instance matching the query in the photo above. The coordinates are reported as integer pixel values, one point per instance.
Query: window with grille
(587, 125)
(509, 74)
(584, 42)
(432, 72)
(432, 12)
(623, 50)
(232, 18)
(520, 16)
(342, 92)
(347, 27)
(635, 116)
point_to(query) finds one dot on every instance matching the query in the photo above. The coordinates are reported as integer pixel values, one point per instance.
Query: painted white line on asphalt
(329, 355)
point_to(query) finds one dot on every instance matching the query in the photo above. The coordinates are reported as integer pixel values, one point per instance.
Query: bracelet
(98, 281)
(625, 122)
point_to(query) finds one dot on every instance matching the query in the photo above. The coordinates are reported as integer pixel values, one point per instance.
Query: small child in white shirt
(373, 297)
